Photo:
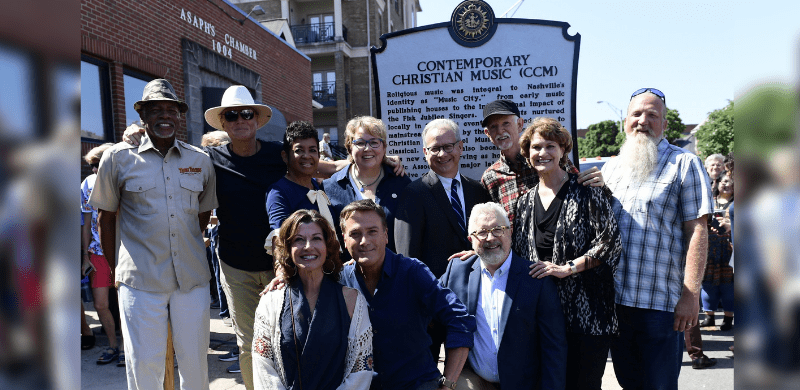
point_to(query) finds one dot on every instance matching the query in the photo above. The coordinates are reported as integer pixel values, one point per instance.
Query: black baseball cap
(499, 107)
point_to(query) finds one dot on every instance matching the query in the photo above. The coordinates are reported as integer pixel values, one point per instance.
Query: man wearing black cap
(161, 194)
(511, 175)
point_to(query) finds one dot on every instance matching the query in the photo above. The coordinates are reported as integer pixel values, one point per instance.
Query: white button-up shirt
(483, 355)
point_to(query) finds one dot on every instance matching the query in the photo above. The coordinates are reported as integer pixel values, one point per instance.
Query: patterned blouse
(505, 184)
(586, 226)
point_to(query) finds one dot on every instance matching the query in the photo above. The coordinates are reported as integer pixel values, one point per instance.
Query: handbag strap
(294, 336)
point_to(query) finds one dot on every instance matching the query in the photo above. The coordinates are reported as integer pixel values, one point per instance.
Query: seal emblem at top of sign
(472, 23)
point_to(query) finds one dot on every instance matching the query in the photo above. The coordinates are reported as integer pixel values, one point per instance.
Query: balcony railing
(318, 32)
(325, 93)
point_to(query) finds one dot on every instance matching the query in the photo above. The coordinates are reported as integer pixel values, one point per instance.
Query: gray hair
(215, 138)
(713, 157)
(441, 123)
(486, 208)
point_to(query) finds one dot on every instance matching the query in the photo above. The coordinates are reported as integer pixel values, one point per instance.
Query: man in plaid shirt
(662, 196)
(512, 175)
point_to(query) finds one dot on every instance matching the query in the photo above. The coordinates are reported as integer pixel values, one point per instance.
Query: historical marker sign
(452, 69)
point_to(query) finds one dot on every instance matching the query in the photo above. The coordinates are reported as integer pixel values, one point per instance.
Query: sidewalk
(95, 377)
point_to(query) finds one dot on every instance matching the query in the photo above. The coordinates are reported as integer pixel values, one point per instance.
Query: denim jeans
(711, 295)
(647, 353)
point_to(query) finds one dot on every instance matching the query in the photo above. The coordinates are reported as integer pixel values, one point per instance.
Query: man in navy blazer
(520, 341)
(428, 226)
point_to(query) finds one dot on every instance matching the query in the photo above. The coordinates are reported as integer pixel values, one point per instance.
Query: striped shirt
(650, 217)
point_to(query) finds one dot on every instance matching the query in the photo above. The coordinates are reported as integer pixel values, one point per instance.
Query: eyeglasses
(233, 115)
(496, 231)
(653, 91)
(96, 165)
(373, 143)
(446, 147)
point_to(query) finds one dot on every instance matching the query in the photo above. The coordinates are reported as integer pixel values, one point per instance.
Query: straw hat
(159, 90)
(237, 96)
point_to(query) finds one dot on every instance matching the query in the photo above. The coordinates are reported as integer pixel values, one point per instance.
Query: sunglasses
(651, 90)
(233, 115)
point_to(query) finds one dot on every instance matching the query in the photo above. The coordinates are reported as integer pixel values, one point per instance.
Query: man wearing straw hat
(160, 194)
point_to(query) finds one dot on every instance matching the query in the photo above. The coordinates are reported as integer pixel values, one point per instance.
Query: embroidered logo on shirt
(190, 170)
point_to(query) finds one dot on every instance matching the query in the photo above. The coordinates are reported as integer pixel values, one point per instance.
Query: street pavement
(96, 377)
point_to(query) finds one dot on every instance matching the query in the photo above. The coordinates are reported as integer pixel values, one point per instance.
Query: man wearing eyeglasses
(512, 175)
(161, 194)
(520, 341)
(432, 215)
(661, 197)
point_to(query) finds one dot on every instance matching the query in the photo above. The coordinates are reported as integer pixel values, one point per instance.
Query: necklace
(361, 183)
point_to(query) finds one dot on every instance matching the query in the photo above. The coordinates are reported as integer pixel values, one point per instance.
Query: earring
(327, 273)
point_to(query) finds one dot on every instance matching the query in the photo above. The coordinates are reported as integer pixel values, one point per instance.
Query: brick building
(201, 47)
(336, 35)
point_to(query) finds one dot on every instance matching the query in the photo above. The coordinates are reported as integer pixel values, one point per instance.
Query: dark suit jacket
(426, 227)
(533, 339)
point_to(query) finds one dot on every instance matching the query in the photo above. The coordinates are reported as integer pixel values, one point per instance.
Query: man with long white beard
(662, 197)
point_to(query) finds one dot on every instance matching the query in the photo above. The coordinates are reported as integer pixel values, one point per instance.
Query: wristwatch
(443, 381)
(572, 267)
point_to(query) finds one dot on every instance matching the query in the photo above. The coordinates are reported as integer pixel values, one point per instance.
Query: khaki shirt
(158, 199)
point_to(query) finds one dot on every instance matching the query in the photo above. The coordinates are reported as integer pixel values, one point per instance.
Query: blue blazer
(341, 193)
(533, 339)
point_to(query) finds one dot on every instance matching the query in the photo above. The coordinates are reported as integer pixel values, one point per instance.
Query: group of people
(528, 277)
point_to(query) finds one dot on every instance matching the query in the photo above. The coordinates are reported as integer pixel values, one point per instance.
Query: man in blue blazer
(520, 341)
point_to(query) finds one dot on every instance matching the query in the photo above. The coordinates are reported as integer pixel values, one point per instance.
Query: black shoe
(121, 359)
(727, 323)
(709, 321)
(87, 342)
(215, 304)
(234, 368)
(703, 362)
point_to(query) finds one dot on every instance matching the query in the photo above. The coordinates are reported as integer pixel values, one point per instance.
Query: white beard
(492, 257)
(638, 156)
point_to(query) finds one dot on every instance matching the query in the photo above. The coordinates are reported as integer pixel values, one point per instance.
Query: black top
(242, 186)
(545, 222)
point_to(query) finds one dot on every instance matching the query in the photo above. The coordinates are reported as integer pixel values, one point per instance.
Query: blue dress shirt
(483, 357)
(408, 296)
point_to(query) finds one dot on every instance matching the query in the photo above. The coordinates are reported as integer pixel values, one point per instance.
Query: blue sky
(700, 54)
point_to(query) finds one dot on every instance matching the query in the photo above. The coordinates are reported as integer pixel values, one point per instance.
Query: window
(324, 87)
(95, 100)
(65, 83)
(17, 81)
(134, 87)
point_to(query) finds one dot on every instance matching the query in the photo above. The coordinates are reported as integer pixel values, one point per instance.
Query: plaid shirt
(506, 185)
(650, 217)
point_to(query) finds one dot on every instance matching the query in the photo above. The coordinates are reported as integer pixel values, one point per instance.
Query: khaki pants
(145, 317)
(242, 289)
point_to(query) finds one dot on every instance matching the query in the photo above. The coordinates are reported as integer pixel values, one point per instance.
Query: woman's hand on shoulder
(397, 163)
(463, 255)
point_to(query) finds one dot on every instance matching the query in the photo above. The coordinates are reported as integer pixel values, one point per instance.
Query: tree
(675, 126)
(600, 140)
(716, 134)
